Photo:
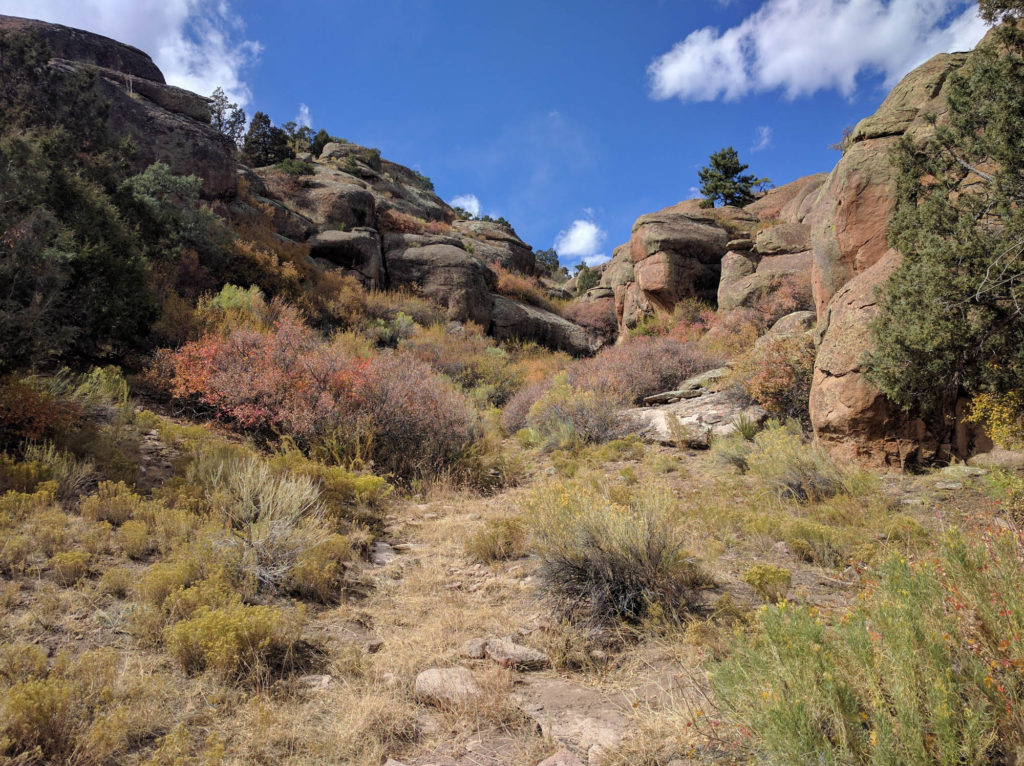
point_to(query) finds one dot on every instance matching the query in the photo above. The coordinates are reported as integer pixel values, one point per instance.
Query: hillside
(299, 464)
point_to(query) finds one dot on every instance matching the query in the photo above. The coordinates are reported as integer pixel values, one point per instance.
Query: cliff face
(852, 259)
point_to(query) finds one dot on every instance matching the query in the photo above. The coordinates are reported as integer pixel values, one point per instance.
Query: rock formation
(852, 259)
(164, 123)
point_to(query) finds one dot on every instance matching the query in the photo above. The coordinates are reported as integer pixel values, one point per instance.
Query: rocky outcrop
(448, 276)
(357, 250)
(164, 123)
(852, 259)
(848, 222)
(87, 48)
(497, 243)
(789, 203)
(511, 319)
(852, 418)
(779, 259)
(672, 254)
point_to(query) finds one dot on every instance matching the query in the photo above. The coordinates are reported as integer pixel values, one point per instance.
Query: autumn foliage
(284, 379)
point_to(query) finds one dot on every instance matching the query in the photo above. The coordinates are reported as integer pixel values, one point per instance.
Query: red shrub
(286, 379)
(27, 414)
(640, 367)
(597, 316)
(526, 289)
(777, 374)
(514, 415)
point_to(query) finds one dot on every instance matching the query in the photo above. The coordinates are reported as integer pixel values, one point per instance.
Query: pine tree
(265, 144)
(723, 180)
(226, 116)
(952, 314)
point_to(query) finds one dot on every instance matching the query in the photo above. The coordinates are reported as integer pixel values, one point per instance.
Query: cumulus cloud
(764, 138)
(467, 202)
(304, 118)
(583, 239)
(198, 44)
(803, 46)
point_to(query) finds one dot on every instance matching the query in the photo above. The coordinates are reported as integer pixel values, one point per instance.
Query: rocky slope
(357, 212)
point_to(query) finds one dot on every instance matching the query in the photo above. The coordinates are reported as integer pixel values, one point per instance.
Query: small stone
(949, 486)
(474, 649)
(447, 687)
(390, 680)
(561, 758)
(373, 645)
(382, 554)
(507, 653)
(598, 655)
(393, 762)
(316, 682)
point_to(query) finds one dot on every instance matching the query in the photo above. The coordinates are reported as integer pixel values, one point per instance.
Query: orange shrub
(28, 414)
(526, 289)
(597, 316)
(732, 333)
(777, 375)
(640, 367)
(286, 379)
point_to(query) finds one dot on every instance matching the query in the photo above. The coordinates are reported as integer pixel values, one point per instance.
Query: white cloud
(764, 138)
(596, 260)
(803, 46)
(467, 202)
(583, 239)
(198, 44)
(304, 118)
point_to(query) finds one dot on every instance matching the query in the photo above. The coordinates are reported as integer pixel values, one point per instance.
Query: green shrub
(271, 520)
(498, 540)
(569, 417)
(237, 642)
(925, 669)
(769, 581)
(71, 474)
(602, 561)
(295, 167)
(319, 572)
(792, 467)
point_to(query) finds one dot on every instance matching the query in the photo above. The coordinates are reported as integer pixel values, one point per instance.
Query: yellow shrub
(112, 502)
(769, 581)
(236, 642)
(95, 538)
(21, 662)
(161, 580)
(1002, 416)
(70, 566)
(133, 539)
(117, 582)
(320, 572)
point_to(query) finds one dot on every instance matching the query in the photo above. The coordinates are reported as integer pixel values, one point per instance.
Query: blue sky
(569, 119)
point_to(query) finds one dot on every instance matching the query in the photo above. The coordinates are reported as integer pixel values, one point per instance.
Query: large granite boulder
(512, 319)
(852, 260)
(357, 250)
(848, 222)
(87, 47)
(448, 276)
(783, 238)
(497, 243)
(676, 255)
(790, 202)
(852, 419)
(329, 198)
